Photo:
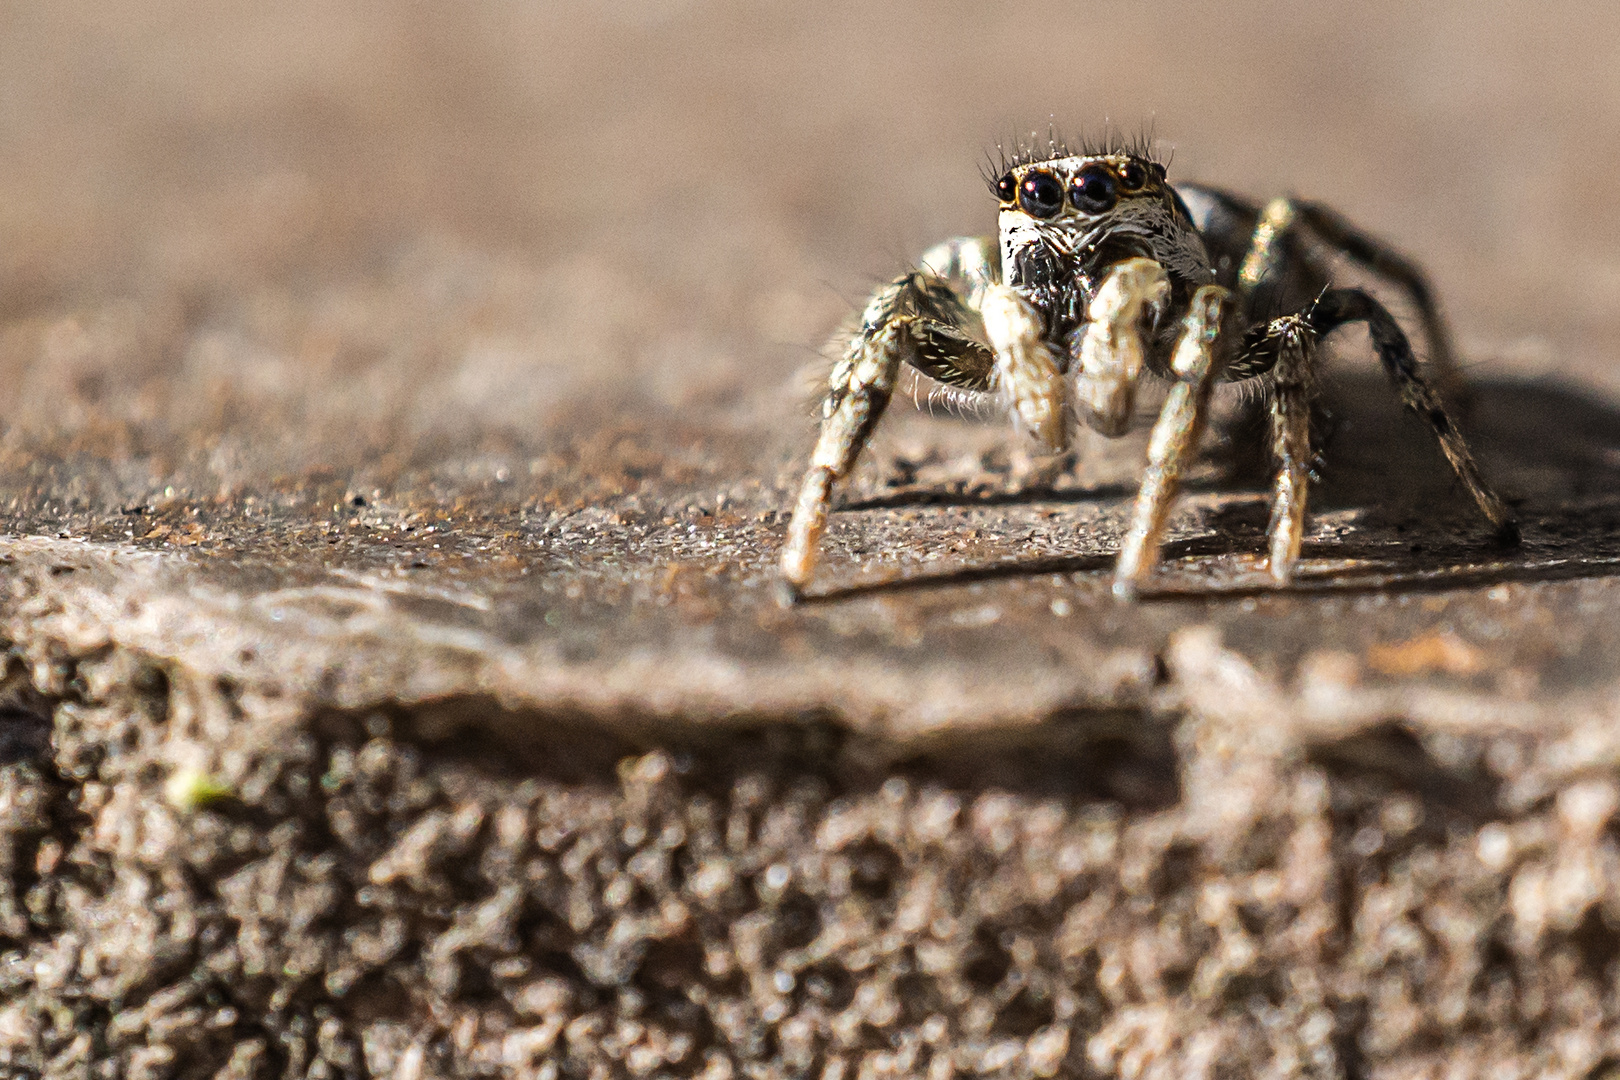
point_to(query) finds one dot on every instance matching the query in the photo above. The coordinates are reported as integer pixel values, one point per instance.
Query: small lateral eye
(1132, 176)
(1007, 188)
(1040, 195)
(1092, 191)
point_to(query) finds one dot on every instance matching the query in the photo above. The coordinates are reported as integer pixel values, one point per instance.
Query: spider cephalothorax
(1065, 220)
(1101, 271)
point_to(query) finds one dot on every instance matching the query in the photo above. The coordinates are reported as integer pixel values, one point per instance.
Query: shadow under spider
(1417, 532)
(965, 575)
(913, 497)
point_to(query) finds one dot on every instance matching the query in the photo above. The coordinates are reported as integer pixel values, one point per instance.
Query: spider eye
(1040, 195)
(1092, 191)
(1132, 176)
(1007, 188)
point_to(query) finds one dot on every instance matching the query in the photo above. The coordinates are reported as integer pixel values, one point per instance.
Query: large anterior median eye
(1040, 195)
(1092, 190)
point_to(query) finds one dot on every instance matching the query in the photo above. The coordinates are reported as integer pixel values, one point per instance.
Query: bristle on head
(1034, 148)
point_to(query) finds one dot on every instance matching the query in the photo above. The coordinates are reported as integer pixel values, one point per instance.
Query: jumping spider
(1103, 270)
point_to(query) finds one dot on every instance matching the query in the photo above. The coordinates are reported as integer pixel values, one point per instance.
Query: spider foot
(1126, 590)
(1281, 571)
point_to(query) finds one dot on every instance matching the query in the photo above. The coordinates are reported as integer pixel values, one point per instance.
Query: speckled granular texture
(362, 903)
(399, 404)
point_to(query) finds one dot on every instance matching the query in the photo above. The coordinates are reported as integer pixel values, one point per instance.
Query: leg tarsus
(855, 401)
(809, 521)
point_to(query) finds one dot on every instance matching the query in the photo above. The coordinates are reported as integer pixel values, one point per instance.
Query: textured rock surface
(399, 405)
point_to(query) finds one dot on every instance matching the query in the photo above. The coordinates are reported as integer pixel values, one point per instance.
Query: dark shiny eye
(1132, 176)
(1040, 195)
(1007, 188)
(1092, 191)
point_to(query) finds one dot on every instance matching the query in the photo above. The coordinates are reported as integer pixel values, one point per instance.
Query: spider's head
(1065, 219)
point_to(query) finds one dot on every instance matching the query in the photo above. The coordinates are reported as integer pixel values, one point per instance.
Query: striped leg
(1292, 392)
(1336, 308)
(1196, 365)
(922, 320)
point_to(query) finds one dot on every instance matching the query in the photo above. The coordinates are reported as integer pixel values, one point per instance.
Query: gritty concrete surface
(400, 402)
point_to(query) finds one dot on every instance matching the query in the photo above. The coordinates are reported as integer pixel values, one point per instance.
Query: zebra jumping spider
(1104, 270)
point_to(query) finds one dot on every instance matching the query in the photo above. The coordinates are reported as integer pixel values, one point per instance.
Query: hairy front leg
(863, 384)
(1112, 352)
(1196, 365)
(918, 319)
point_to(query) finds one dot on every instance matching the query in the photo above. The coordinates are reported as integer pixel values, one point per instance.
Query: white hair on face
(1171, 240)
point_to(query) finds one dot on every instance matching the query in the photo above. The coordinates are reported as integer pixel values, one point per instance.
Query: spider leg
(1371, 253)
(1294, 344)
(918, 319)
(1265, 246)
(1283, 218)
(1112, 351)
(1335, 308)
(1286, 347)
(1195, 365)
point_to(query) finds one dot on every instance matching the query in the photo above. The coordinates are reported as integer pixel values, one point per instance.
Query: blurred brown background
(320, 229)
